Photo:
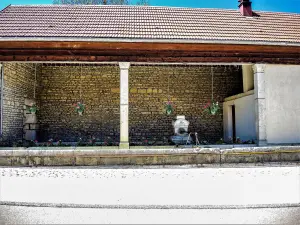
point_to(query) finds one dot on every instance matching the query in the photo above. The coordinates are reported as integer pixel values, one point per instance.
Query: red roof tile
(142, 22)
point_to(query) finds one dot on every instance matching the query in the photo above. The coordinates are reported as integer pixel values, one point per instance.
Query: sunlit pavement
(170, 195)
(45, 215)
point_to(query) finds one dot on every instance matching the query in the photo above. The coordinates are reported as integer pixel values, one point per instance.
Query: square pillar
(124, 106)
(1, 97)
(260, 103)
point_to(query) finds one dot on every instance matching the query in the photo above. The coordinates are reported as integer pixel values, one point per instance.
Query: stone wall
(60, 88)
(19, 81)
(188, 87)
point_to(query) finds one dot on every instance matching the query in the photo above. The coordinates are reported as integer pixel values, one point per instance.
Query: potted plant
(212, 107)
(32, 108)
(50, 142)
(79, 108)
(169, 108)
(92, 141)
(59, 143)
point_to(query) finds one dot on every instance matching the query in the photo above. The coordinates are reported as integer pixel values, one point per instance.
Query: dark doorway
(233, 124)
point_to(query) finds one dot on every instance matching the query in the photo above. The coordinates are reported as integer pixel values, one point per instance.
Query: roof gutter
(134, 40)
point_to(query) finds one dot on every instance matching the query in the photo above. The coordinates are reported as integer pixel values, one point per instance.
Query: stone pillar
(124, 107)
(1, 98)
(260, 103)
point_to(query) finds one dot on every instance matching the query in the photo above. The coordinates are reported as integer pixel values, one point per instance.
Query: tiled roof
(147, 22)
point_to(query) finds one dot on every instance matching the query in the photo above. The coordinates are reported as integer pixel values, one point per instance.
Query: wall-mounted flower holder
(212, 108)
(79, 108)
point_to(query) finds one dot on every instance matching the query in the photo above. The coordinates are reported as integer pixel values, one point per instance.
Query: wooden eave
(89, 51)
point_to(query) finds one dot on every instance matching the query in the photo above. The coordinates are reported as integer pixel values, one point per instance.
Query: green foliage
(212, 107)
(59, 143)
(32, 108)
(169, 108)
(92, 141)
(237, 140)
(79, 108)
(18, 144)
(80, 142)
(28, 144)
(50, 142)
(220, 142)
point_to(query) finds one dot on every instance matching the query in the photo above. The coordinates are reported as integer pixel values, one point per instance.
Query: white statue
(181, 130)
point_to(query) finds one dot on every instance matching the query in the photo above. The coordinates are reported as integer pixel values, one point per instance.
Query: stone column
(260, 103)
(124, 107)
(1, 98)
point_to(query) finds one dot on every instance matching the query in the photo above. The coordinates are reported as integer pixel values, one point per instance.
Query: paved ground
(33, 215)
(177, 187)
(172, 195)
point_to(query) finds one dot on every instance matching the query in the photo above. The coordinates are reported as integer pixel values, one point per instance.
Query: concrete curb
(62, 205)
(177, 156)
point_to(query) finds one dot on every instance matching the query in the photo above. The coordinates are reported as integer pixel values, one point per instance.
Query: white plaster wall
(248, 78)
(282, 84)
(244, 117)
(227, 120)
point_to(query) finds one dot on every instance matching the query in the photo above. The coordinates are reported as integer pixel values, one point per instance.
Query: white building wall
(227, 120)
(282, 88)
(244, 117)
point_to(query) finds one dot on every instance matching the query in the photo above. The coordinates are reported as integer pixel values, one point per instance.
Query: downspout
(1, 100)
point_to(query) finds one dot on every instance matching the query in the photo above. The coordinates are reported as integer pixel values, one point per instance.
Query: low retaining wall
(93, 156)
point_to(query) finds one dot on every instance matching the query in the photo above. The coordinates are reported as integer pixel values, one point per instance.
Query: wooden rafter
(146, 52)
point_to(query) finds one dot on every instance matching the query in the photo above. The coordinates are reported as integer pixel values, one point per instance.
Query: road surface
(46, 215)
(170, 195)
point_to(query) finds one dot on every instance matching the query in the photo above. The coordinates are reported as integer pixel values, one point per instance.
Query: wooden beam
(147, 52)
(29, 52)
(146, 46)
(79, 58)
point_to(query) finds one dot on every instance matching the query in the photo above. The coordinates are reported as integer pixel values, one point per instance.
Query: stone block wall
(19, 81)
(189, 89)
(97, 86)
(60, 88)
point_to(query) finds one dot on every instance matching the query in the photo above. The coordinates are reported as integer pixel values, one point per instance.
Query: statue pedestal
(181, 140)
